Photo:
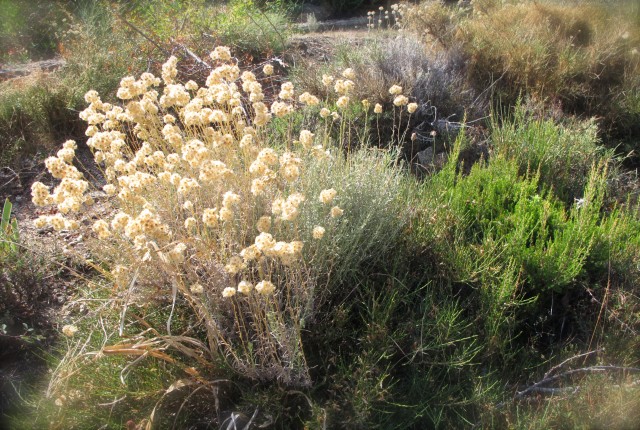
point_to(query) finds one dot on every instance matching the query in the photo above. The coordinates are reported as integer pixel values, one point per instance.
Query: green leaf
(6, 215)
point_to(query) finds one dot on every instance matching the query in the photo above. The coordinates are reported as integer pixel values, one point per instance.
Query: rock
(425, 158)
(320, 12)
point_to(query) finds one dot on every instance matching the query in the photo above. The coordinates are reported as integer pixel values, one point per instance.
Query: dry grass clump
(210, 209)
(583, 55)
(432, 79)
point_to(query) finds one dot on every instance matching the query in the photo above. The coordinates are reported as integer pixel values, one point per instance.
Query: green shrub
(496, 216)
(562, 153)
(249, 29)
(28, 31)
(34, 111)
(512, 250)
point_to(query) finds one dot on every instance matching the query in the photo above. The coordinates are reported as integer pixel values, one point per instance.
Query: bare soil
(9, 71)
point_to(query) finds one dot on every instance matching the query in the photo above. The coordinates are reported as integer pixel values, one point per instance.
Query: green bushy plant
(33, 111)
(562, 153)
(501, 230)
(496, 214)
(249, 29)
(28, 31)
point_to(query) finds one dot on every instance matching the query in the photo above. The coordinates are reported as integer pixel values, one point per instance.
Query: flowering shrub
(206, 207)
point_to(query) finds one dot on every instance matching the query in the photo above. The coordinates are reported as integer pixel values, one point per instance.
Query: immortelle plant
(207, 209)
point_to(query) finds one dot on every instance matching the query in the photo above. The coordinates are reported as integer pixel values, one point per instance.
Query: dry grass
(584, 56)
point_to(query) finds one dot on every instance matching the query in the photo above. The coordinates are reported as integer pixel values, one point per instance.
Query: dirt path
(9, 71)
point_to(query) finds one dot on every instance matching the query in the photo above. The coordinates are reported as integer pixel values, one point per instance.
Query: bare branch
(197, 59)
(591, 369)
(137, 30)
(559, 366)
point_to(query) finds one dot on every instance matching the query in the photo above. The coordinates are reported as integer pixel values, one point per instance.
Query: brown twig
(603, 305)
(13, 178)
(137, 30)
(559, 366)
(197, 59)
(538, 386)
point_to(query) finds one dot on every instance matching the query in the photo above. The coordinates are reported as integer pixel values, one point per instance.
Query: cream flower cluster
(266, 246)
(287, 209)
(68, 196)
(308, 99)
(191, 175)
(344, 86)
(399, 100)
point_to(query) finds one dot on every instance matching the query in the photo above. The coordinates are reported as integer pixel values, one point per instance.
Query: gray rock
(320, 11)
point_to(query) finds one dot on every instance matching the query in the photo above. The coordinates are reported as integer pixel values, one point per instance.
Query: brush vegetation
(263, 254)
(582, 56)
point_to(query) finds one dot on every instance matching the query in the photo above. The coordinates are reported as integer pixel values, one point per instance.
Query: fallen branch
(553, 391)
(538, 386)
(191, 54)
(137, 30)
(559, 366)
(13, 177)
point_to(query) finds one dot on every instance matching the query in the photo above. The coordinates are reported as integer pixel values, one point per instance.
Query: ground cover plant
(259, 253)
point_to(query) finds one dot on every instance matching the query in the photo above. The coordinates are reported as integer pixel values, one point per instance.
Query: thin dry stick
(538, 386)
(15, 176)
(197, 59)
(559, 366)
(137, 30)
(602, 305)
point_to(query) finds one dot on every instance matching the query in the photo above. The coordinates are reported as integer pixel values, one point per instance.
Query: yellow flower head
(349, 73)
(265, 288)
(395, 90)
(221, 53)
(245, 287)
(265, 242)
(264, 224)
(400, 100)
(327, 80)
(342, 102)
(318, 232)
(210, 217)
(327, 196)
(336, 212)
(190, 223)
(101, 228)
(228, 292)
(69, 330)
